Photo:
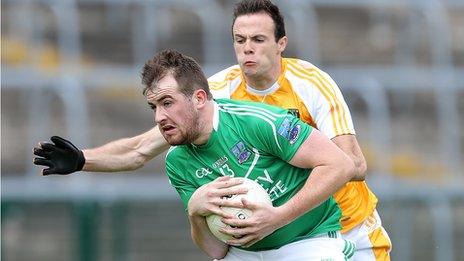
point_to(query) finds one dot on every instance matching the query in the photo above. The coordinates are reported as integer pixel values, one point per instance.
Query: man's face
(175, 114)
(255, 45)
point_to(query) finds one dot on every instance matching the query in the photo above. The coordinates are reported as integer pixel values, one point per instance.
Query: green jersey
(255, 141)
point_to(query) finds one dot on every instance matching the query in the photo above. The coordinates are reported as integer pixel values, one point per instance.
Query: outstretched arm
(63, 157)
(125, 154)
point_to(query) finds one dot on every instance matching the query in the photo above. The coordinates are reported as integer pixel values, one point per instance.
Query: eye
(239, 40)
(258, 39)
(167, 103)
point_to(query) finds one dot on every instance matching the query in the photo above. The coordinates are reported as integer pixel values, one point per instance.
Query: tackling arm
(348, 144)
(125, 154)
(63, 157)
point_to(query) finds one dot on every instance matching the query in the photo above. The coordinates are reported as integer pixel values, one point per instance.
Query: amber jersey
(315, 98)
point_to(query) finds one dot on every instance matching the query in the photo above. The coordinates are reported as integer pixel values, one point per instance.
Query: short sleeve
(281, 136)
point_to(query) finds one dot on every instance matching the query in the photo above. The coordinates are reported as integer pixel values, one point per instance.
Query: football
(255, 193)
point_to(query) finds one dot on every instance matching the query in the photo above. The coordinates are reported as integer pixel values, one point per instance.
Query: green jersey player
(255, 141)
(216, 140)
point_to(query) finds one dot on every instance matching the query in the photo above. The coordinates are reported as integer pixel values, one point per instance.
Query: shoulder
(248, 106)
(302, 67)
(305, 74)
(177, 154)
(251, 113)
(220, 79)
(222, 83)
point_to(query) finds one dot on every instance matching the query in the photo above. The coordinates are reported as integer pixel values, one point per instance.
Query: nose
(160, 116)
(248, 48)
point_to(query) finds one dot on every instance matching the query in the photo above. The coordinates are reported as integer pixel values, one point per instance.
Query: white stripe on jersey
(255, 159)
(273, 116)
(257, 114)
(169, 150)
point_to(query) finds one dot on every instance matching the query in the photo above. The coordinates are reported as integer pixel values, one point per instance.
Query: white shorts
(328, 246)
(371, 239)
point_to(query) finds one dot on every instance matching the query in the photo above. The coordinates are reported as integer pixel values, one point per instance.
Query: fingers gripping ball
(255, 193)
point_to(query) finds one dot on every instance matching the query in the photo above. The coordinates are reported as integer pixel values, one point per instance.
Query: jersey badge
(240, 152)
(284, 128)
(294, 133)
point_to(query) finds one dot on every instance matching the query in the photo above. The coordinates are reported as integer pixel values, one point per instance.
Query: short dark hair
(184, 69)
(246, 7)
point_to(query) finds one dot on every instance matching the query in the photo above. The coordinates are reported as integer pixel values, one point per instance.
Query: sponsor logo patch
(240, 152)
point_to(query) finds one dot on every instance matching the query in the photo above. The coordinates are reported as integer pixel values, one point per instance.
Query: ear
(282, 44)
(199, 97)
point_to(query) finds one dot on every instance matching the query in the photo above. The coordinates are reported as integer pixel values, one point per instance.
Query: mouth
(168, 129)
(249, 63)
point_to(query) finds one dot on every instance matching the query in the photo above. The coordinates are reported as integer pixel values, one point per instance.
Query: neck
(205, 123)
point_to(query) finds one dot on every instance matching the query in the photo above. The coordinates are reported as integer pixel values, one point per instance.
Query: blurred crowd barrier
(71, 68)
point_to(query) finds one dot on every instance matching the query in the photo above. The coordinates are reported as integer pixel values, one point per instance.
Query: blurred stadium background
(71, 68)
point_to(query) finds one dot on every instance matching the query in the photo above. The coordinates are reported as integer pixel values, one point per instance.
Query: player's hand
(209, 198)
(247, 232)
(61, 157)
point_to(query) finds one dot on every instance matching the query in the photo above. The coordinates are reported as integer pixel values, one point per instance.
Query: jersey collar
(270, 90)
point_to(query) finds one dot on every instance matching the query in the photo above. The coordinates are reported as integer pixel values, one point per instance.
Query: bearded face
(175, 114)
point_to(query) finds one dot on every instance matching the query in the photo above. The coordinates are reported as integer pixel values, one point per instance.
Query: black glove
(62, 157)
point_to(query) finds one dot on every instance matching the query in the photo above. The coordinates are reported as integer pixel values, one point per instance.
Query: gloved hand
(61, 157)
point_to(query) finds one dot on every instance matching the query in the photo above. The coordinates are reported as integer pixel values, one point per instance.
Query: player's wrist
(284, 215)
(80, 160)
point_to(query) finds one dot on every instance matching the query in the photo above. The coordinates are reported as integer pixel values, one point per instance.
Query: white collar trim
(270, 90)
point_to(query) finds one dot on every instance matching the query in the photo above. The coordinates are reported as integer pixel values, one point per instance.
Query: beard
(186, 134)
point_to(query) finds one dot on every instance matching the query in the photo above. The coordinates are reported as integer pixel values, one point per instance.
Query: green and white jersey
(255, 141)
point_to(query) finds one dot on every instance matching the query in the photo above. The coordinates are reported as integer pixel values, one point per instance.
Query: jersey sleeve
(175, 173)
(323, 98)
(219, 83)
(333, 117)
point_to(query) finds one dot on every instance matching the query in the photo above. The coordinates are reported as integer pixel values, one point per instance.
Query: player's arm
(349, 144)
(204, 239)
(63, 157)
(331, 169)
(125, 154)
